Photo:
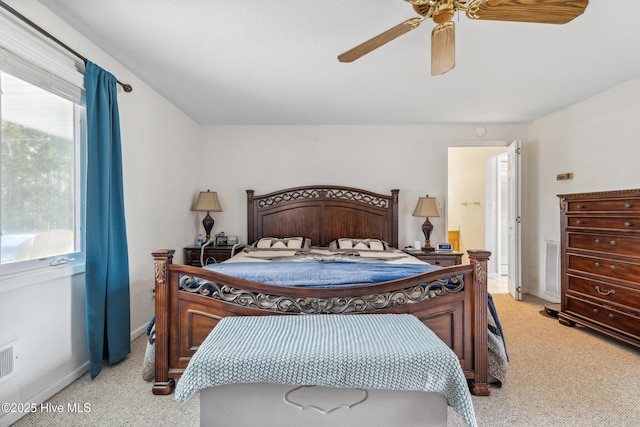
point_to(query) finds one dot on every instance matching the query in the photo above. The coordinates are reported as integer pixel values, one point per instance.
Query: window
(39, 214)
(42, 135)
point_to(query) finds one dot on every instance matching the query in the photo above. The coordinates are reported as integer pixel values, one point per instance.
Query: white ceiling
(264, 62)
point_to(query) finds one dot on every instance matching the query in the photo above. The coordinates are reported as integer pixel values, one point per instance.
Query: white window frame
(25, 54)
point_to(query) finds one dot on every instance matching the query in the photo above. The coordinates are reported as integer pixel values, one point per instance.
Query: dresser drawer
(604, 267)
(627, 322)
(620, 245)
(443, 262)
(618, 223)
(617, 205)
(443, 259)
(606, 292)
(211, 255)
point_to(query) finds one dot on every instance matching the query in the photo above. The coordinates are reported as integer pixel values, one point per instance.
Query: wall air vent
(7, 361)
(552, 269)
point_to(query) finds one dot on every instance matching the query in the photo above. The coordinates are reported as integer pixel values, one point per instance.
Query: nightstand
(212, 254)
(443, 259)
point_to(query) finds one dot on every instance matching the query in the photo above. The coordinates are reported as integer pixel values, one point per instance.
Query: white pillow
(362, 244)
(287, 243)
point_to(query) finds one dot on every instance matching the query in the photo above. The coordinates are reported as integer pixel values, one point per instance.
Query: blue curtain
(107, 261)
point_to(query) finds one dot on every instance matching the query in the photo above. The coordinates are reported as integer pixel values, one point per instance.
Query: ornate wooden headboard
(323, 213)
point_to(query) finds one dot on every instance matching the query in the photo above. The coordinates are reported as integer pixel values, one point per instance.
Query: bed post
(250, 218)
(162, 383)
(480, 383)
(394, 227)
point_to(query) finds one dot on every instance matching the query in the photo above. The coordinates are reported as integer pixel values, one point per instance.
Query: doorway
(478, 208)
(497, 221)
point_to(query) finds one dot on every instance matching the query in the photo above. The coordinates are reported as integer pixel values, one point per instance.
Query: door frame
(515, 218)
(487, 144)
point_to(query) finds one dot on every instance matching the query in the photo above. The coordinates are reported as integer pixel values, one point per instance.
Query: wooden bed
(184, 318)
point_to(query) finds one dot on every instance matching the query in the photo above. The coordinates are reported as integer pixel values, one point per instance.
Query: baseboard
(544, 296)
(139, 331)
(47, 393)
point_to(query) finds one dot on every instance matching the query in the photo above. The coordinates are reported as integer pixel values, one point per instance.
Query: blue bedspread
(325, 274)
(369, 351)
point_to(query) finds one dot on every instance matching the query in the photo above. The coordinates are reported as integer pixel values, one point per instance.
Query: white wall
(44, 313)
(596, 140)
(378, 158)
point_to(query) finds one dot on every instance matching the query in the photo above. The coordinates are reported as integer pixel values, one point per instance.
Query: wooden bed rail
(173, 328)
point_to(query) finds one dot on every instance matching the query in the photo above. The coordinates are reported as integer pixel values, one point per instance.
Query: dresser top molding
(613, 194)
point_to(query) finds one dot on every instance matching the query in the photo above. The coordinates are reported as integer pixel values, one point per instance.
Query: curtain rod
(126, 87)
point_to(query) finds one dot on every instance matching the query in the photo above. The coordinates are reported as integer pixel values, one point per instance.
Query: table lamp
(207, 202)
(426, 207)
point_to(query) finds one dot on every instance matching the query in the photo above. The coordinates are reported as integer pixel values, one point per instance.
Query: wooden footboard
(187, 312)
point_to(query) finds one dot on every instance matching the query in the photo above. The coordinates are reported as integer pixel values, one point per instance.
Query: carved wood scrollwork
(480, 272)
(334, 193)
(161, 271)
(333, 305)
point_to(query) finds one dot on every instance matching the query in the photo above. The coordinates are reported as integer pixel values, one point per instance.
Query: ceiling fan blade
(537, 11)
(443, 48)
(379, 40)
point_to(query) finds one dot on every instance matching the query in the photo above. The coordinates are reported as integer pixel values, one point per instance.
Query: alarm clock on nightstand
(221, 239)
(444, 247)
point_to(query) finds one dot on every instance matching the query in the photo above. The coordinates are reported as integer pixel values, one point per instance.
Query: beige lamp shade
(426, 207)
(207, 202)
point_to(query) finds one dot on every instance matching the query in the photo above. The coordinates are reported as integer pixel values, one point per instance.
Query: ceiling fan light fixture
(444, 12)
(425, 10)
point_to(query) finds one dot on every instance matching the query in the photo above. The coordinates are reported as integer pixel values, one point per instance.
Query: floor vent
(7, 358)
(552, 269)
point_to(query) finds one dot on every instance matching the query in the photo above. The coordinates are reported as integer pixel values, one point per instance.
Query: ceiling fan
(443, 34)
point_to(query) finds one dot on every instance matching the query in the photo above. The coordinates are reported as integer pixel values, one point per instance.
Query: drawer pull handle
(595, 310)
(580, 206)
(613, 267)
(611, 316)
(628, 205)
(597, 264)
(612, 243)
(628, 224)
(579, 222)
(597, 241)
(611, 292)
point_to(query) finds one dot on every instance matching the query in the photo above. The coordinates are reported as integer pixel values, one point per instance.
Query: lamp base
(427, 228)
(207, 223)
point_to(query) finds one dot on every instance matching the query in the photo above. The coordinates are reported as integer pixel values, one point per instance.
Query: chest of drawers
(600, 263)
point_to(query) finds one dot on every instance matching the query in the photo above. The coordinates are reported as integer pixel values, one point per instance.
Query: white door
(514, 220)
(491, 211)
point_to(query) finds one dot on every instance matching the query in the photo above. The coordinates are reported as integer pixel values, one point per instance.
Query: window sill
(11, 281)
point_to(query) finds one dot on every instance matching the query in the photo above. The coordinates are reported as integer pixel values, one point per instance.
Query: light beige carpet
(558, 376)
